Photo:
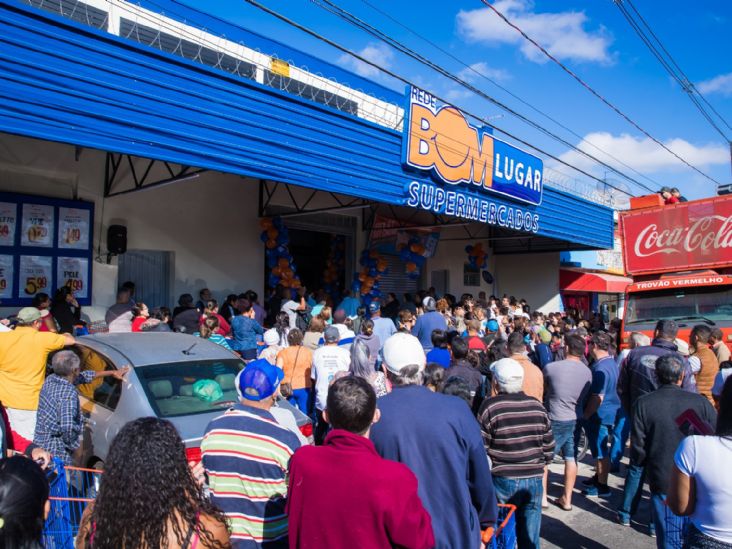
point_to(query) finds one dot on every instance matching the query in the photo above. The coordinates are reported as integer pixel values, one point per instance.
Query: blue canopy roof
(66, 82)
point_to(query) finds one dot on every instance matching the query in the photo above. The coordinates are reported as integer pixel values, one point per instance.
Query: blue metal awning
(65, 82)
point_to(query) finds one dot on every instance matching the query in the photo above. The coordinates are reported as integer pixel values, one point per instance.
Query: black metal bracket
(139, 174)
(292, 207)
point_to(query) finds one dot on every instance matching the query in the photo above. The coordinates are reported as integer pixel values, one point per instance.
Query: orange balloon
(362, 277)
(265, 223)
(271, 244)
(411, 267)
(373, 254)
(276, 271)
(272, 233)
(283, 263)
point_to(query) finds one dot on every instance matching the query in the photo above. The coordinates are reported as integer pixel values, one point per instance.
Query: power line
(504, 89)
(399, 46)
(669, 64)
(592, 90)
(408, 82)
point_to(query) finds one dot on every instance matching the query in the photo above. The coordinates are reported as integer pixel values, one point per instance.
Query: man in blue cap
(246, 455)
(384, 328)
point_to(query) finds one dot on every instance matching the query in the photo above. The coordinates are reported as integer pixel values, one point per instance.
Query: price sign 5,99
(34, 284)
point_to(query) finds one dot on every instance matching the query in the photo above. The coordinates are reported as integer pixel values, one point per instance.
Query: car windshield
(191, 387)
(703, 305)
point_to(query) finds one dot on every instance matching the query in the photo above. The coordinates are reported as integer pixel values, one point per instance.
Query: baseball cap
(374, 306)
(491, 325)
(507, 370)
(258, 380)
(331, 334)
(429, 303)
(271, 337)
(682, 346)
(402, 350)
(29, 314)
(339, 317)
(545, 335)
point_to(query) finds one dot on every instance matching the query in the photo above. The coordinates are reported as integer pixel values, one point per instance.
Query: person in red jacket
(343, 494)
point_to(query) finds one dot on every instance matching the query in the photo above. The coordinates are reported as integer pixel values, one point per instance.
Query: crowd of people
(428, 413)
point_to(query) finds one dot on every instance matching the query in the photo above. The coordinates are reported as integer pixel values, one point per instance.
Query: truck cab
(680, 258)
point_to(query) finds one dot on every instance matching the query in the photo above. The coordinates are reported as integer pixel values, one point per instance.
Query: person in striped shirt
(246, 455)
(518, 437)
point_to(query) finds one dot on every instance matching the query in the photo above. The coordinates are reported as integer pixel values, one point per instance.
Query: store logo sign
(438, 139)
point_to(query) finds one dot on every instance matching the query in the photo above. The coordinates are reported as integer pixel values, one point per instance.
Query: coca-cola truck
(680, 258)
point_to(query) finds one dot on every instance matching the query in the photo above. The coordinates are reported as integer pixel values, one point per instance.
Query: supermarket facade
(113, 115)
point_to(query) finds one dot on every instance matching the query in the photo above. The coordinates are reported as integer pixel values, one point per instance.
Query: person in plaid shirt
(59, 424)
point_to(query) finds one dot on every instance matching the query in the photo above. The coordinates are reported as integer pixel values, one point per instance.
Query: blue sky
(592, 38)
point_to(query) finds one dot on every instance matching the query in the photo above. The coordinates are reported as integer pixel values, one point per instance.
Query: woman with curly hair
(149, 497)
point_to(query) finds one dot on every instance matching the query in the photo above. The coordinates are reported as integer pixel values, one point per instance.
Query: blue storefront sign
(438, 139)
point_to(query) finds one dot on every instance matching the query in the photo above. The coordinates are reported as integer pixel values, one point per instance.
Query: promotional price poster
(36, 273)
(73, 272)
(73, 229)
(6, 276)
(37, 226)
(8, 222)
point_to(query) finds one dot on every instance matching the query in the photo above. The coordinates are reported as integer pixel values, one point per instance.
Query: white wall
(209, 223)
(534, 277)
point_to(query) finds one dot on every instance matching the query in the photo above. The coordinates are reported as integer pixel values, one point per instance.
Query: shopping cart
(71, 489)
(504, 536)
(676, 528)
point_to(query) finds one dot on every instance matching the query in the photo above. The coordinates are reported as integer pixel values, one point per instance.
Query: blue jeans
(633, 490)
(564, 439)
(622, 431)
(303, 399)
(658, 515)
(525, 494)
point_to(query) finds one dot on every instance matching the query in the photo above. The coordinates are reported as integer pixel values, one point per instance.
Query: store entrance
(313, 253)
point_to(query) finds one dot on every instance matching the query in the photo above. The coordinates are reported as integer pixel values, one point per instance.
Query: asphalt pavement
(591, 523)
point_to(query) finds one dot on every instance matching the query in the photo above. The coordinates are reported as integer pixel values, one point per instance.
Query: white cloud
(474, 72)
(643, 154)
(563, 34)
(380, 54)
(721, 84)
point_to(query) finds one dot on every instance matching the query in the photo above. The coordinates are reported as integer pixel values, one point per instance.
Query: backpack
(302, 321)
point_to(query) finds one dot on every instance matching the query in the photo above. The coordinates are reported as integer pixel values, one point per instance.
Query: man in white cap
(431, 320)
(518, 437)
(23, 357)
(437, 437)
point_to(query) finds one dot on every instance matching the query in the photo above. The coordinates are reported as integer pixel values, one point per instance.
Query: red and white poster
(685, 236)
(6, 276)
(73, 272)
(8, 223)
(73, 228)
(35, 275)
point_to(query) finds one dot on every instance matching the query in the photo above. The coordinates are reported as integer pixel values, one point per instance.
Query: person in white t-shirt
(701, 485)
(291, 307)
(328, 361)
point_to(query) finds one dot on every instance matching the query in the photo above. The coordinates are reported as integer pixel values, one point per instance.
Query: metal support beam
(139, 177)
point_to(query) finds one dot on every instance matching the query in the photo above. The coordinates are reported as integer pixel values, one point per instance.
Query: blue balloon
(271, 261)
(469, 249)
(273, 280)
(281, 239)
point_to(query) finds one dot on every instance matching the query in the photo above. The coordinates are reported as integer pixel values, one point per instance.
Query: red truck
(680, 258)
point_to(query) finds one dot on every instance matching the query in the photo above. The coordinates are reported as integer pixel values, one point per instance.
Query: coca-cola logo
(712, 232)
